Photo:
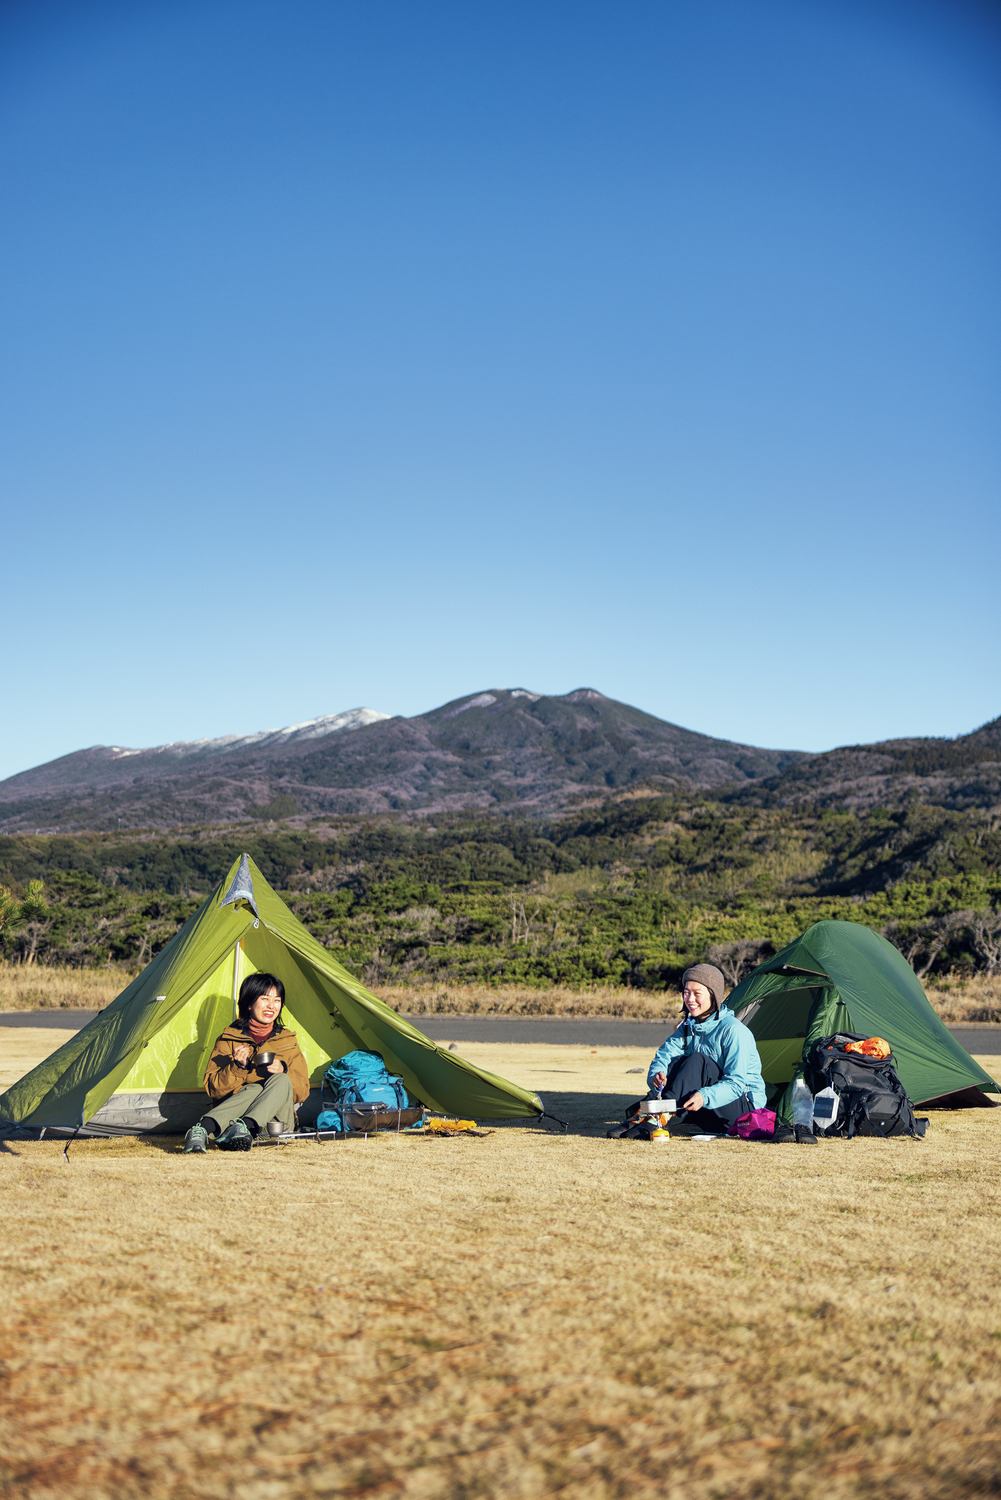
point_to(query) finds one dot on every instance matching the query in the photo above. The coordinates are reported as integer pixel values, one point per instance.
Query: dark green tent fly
(841, 976)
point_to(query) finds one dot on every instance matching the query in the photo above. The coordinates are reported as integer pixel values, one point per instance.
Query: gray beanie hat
(710, 976)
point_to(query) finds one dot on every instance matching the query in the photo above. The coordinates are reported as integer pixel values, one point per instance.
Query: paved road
(585, 1033)
(612, 1033)
(985, 1040)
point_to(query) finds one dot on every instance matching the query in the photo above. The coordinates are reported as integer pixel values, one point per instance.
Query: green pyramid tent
(138, 1065)
(841, 976)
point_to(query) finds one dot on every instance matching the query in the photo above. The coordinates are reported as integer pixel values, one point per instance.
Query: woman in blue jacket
(710, 1064)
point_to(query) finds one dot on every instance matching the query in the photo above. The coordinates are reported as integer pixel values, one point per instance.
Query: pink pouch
(759, 1125)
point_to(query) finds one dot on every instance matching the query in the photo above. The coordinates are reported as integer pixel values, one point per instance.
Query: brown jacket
(224, 1076)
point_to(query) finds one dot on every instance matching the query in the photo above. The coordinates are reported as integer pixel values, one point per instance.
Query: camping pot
(261, 1060)
(275, 1127)
(658, 1107)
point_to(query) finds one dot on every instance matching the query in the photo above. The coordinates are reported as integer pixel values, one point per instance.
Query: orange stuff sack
(873, 1046)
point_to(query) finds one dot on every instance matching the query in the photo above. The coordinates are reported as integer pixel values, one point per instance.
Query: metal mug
(261, 1060)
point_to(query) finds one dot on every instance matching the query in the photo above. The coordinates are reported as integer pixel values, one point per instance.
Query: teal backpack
(358, 1078)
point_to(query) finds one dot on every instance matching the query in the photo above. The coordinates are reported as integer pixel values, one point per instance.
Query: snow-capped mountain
(309, 729)
(500, 747)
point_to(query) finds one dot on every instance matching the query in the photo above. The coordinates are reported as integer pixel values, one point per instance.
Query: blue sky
(377, 353)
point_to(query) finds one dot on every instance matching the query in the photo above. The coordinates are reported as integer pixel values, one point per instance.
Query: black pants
(686, 1075)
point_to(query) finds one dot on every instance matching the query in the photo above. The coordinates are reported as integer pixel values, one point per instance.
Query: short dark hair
(251, 990)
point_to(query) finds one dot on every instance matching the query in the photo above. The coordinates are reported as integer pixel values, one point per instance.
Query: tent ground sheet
(512, 1314)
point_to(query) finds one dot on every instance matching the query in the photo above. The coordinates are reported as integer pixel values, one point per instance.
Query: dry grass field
(976, 999)
(36, 987)
(511, 1314)
(520, 1000)
(51, 987)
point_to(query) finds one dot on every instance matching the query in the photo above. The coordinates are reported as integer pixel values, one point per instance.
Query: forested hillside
(628, 893)
(958, 773)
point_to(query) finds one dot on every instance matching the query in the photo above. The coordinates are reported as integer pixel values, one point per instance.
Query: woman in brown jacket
(249, 1096)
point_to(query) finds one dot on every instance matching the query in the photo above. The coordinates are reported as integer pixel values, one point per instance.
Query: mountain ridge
(501, 749)
(955, 773)
(352, 718)
(496, 748)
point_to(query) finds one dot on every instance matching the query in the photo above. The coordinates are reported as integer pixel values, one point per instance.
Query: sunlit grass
(54, 987)
(975, 999)
(516, 1000)
(513, 1315)
(37, 987)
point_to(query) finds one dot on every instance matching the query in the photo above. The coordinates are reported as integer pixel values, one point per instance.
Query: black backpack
(873, 1099)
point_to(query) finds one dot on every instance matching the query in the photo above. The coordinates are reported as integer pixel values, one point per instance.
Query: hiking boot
(784, 1135)
(235, 1137)
(805, 1136)
(197, 1139)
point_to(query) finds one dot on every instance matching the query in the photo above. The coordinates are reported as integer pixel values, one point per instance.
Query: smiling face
(266, 1009)
(697, 999)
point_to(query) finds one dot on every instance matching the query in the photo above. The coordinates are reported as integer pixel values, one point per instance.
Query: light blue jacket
(730, 1043)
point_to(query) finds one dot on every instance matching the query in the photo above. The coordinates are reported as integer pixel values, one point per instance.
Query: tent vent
(242, 888)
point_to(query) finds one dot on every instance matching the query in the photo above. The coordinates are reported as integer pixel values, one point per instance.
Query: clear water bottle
(802, 1104)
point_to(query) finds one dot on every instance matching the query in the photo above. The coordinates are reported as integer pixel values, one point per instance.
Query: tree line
(628, 892)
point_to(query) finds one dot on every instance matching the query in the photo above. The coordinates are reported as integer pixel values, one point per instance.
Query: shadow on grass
(585, 1114)
(123, 1145)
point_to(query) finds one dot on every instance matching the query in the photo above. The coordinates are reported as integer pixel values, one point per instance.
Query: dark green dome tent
(138, 1065)
(841, 976)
